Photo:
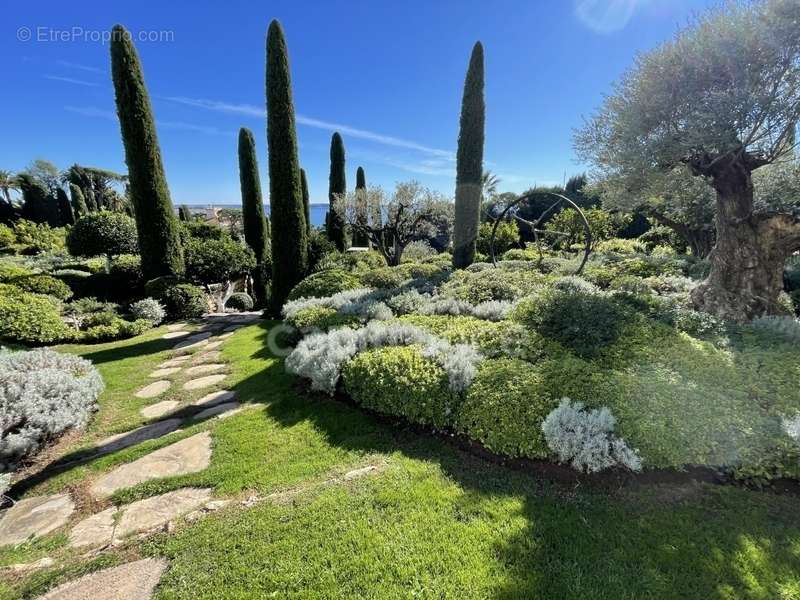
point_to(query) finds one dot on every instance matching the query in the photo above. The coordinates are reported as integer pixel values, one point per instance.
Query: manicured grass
(430, 522)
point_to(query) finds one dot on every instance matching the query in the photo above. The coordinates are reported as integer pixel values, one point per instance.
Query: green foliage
(156, 223)
(321, 318)
(469, 163)
(37, 238)
(383, 278)
(157, 288)
(506, 238)
(622, 246)
(103, 233)
(492, 284)
(115, 329)
(239, 302)
(184, 301)
(255, 230)
(602, 226)
(399, 381)
(31, 319)
(306, 203)
(289, 228)
(184, 215)
(78, 201)
(216, 261)
(10, 271)
(505, 407)
(7, 238)
(325, 283)
(201, 231)
(43, 284)
(337, 186)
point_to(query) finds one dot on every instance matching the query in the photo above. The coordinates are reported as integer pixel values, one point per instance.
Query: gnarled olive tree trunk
(747, 262)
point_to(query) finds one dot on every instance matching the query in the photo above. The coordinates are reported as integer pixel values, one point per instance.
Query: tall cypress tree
(78, 201)
(362, 216)
(289, 231)
(66, 215)
(469, 163)
(337, 185)
(156, 223)
(184, 214)
(306, 205)
(255, 229)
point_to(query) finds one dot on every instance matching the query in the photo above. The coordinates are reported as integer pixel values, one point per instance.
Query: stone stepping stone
(214, 345)
(132, 581)
(34, 517)
(131, 438)
(202, 335)
(212, 356)
(205, 368)
(187, 456)
(147, 514)
(97, 530)
(171, 335)
(177, 326)
(215, 410)
(154, 389)
(189, 345)
(224, 336)
(174, 362)
(165, 372)
(159, 409)
(215, 398)
(208, 380)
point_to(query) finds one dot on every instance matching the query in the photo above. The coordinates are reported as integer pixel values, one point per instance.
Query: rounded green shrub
(156, 288)
(504, 408)
(320, 317)
(76, 280)
(399, 381)
(506, 238)
(185, 301)
(114, 328)
(43, 284)
(239, 302)
(103, 233)
(492, 284)
(9, 272)
(31, 319)
(383, 278)
(215, 261)
(325, 283)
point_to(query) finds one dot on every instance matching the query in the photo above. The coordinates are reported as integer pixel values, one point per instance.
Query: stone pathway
(171, 335)
(187, 456)
(164, 372)
(224, 409)
(207, 381)
(215, 398)
(33, 517)
(205, 368)
(159, 409)
(154, 389)
(131, 438)
(132, 581)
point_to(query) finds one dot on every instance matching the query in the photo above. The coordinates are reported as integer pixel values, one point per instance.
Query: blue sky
(387, 74)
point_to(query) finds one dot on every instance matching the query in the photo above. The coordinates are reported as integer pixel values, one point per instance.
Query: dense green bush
(35, 238)
(491, 284)
(217, 261)
(9, 271)
(325, 283)
(239, 301)
(200, 231)
(76, 280)
(383, 278)
(31, 319)
(184, 301)
(506, 238)
(505, 407)
(320, 317)
(103, 233)
(157, 288)
(116, 329)
(621, 246)
(43, 284)
(400, 381)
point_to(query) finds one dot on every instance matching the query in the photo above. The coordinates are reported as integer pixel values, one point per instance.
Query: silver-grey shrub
(319, 357)
(42, 394)
(149, 309)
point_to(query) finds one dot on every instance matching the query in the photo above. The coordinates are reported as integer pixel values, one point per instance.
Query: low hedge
(43, 284)
(325, 283)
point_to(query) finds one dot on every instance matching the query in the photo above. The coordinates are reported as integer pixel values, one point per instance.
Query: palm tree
(8, 182)
(489, 183)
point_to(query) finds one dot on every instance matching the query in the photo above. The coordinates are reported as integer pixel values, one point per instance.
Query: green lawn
(430, 522)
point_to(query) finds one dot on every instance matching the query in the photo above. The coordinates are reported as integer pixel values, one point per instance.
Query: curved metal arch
(535, 224)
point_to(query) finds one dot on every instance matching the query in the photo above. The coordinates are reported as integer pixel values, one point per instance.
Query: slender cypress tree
(184, 214)
(65, 213)
(289, 231)
(360, 238)
(469, 163)
(255, 228)
(78, 201)
(306, 206)
(337, 185)
(156, 223)
(91, 201)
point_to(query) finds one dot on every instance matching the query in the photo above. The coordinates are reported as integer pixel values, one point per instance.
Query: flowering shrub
(320, 356)
(585, 438)
(42, 394)
(149, 309)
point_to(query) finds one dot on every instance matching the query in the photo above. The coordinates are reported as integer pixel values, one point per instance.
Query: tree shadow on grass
(105, 355)
(667, 541)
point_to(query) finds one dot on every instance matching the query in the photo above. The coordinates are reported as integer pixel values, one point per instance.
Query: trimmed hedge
(239, 301)
(43, 284)
(325, 283)
(185, 301)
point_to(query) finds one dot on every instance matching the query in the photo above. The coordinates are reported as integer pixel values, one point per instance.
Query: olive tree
(412, 212)
(723, 99)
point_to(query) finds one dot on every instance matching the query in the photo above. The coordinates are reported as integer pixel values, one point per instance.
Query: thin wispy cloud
(91, 111)
(606, 16)
(255, 111)
(79, 67)
(71, 80)
(99, 113)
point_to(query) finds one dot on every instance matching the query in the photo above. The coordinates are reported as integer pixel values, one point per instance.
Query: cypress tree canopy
(337, 186)
(469, 163)
(255, 225)
(65, 212)
(289, 231)
(78, 201)
(306, 205)
(156, 223)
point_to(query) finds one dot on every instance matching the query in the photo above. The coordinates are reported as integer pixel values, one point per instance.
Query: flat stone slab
(159, 409)
(177, 326)
(217, 409)
(34, 517)
(174, 362)
(201, 335)
(215, 398)
(147, 514)
(205, 368)
(214, 345)
(132, 581)
(187, 456)
(164, 372)
(97, 530)
(189, 345)
(208, 380)
(154, 389)
(212, 356)
(131, 438)
(171, 335)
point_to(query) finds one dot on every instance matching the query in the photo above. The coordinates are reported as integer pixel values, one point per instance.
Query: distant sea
(317, 211)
